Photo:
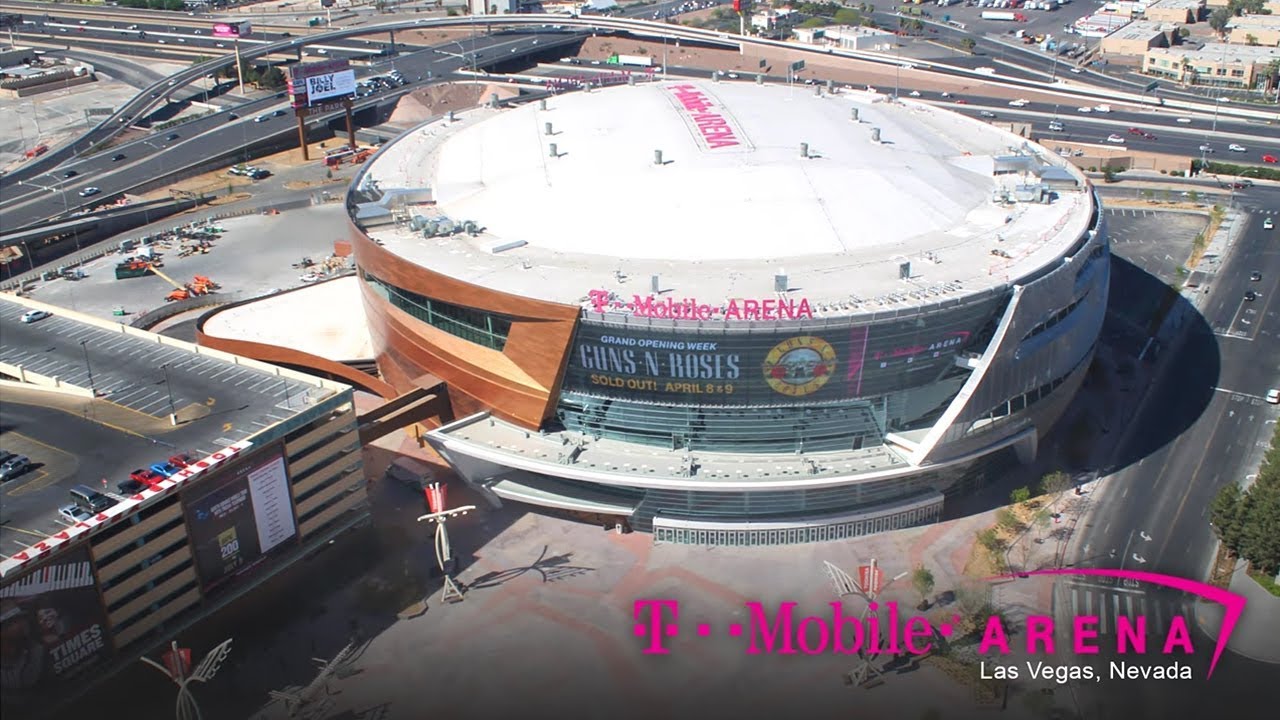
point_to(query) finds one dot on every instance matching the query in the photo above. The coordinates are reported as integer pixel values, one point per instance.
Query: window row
(1057, 317)
(472, 325)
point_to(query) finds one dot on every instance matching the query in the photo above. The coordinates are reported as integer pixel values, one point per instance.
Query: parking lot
(255, 254)
(65, 450)
(1156, 241)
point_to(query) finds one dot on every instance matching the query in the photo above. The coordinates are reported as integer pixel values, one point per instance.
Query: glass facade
(472, 325)
(834, 388)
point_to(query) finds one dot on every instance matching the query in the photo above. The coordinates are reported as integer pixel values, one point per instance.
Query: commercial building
(1263, 30)
(1138, 37)
(730, 313)
(847, 37)
(1219, 64)
(1175, 11)
(265, 483)
(1099, 25)
(774, 19)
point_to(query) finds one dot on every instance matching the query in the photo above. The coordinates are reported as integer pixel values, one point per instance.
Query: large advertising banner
(791, 367)
(232, 30)
(53, 628)
(312, 84)
(237, 518)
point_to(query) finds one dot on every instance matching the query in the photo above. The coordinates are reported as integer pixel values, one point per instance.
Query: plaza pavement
(547, 623)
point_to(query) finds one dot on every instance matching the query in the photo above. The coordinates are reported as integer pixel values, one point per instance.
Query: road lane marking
(1190, 484)
(1237, 392)
(26, 531)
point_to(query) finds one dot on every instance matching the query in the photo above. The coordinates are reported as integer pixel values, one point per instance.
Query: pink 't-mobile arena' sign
(713, 128)
(649, 306)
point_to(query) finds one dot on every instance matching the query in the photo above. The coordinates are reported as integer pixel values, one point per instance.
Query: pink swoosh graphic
(1233, 603)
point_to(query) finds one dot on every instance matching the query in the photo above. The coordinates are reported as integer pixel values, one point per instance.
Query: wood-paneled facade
(518, 383)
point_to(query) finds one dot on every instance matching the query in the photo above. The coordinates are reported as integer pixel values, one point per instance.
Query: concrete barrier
(35, 381)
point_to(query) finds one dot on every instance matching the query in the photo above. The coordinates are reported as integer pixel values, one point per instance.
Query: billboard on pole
(314, 83)
(232, 30)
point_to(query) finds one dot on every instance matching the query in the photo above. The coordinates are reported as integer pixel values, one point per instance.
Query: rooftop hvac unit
(547, 129)
(553, 151)
(760, 79)
(657, 157)
(904, 271)
(804, 150)
(471, 228)
(853, 114)
(875, 135)
(780, 282)
(655, 284)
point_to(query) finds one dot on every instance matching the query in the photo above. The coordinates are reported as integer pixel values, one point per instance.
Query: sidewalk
(1257, 633)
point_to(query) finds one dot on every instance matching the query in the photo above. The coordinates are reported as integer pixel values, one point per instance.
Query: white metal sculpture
(844, 585)
(186, 707)
(295, 702)
(444, 553)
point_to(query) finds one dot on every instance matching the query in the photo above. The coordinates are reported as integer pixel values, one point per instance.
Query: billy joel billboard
(53, 629)
(315, 83)
(796, 366)
(237, 518)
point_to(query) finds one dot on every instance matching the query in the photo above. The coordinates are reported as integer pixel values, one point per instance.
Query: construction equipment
(177, 295)
(133, 269)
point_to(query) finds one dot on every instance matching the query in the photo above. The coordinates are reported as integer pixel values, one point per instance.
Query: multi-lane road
(1207, 406)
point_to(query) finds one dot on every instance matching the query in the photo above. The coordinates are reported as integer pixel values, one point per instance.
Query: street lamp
(444, 553)
(88, 368)
(173, 414)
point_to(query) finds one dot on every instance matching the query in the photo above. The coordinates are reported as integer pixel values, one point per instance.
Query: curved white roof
(733, 192)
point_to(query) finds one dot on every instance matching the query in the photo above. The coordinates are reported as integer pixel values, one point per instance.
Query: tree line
(1248, 521)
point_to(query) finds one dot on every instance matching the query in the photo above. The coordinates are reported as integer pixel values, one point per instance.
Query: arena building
(729, 312)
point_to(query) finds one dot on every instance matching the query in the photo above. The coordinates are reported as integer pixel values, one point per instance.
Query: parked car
(31, 316)
(1273, 396)
(73, 513)
(13, 467)
(164, 469)
(131, 487)
(181, 460)
(147, 477)
(6, 456)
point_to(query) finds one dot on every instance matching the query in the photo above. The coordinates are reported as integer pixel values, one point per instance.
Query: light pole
(173, 414)
(178, 661)
(88, 368)
(444, 553)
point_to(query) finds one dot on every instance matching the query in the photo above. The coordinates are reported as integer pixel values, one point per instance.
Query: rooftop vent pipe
(804, 150)
(547, 128)
(657, 157)
(853, 114)
(554, 151)
(875, 135)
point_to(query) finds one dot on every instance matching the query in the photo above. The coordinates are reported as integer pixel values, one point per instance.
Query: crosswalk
(1109, 603)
